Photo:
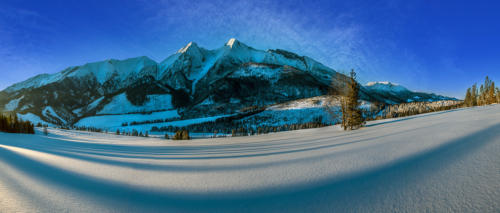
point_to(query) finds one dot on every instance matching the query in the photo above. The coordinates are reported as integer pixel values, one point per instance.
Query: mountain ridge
(231, 77)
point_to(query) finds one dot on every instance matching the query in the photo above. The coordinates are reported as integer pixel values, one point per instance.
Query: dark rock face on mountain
(198, 82)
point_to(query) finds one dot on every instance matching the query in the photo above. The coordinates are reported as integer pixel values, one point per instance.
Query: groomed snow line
(446, 161)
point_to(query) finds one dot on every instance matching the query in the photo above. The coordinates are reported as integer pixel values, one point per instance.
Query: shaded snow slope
(13, 104)
(438, 162)
(120, 104)
(50, 113)
(89, 107)
(113, 122)
(32, 118)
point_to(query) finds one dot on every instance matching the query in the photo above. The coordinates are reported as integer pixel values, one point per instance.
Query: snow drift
(437, 162)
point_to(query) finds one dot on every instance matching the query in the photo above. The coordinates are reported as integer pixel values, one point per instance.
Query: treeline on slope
(234, 126)
(415, 108)
(133, 123)
(132, 132)
(180, 134)
(487, 93)
(12, 124)
(238, 128)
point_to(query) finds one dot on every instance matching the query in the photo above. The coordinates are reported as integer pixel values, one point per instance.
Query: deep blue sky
(432, 46)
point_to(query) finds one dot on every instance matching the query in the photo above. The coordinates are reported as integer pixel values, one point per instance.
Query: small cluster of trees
(134, 132)
(88, 129)
(12, 124)
(180, 135)
(486, 94)
(345, 89)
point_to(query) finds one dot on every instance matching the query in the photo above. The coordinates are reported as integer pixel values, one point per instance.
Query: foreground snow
(438, 162)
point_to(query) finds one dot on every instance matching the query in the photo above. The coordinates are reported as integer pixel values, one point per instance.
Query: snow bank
(441, 162)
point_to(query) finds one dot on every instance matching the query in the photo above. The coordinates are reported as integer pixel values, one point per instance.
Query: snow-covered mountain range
(192, 83)
(393, 93)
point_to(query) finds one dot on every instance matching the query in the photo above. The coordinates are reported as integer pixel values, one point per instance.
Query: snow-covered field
(438, 162)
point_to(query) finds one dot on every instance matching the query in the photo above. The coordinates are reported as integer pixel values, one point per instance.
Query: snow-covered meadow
(446, 161)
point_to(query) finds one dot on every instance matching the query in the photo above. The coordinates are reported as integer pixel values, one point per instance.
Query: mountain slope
(194, 81)
(77, 87)
(395, 93)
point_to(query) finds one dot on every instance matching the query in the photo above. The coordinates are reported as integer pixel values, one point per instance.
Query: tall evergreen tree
(344, 90)
(474, 95)
(354, 117)
(498, 95)
(468, 101)
(481, 95)
(491, 93)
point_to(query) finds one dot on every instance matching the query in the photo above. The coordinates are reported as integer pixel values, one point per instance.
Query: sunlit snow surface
(439, 162)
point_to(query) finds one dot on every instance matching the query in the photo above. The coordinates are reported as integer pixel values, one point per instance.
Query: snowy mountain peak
(102, 71)
(385, 86)
(232, 42)
(381, 82)
(185, 49)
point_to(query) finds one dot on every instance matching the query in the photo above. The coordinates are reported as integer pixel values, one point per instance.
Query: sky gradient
(431, 46)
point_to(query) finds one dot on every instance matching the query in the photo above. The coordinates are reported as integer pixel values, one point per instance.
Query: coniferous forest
(486, 94)
(12, 124)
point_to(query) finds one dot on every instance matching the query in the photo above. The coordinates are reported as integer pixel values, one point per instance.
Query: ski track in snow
(438, 162)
